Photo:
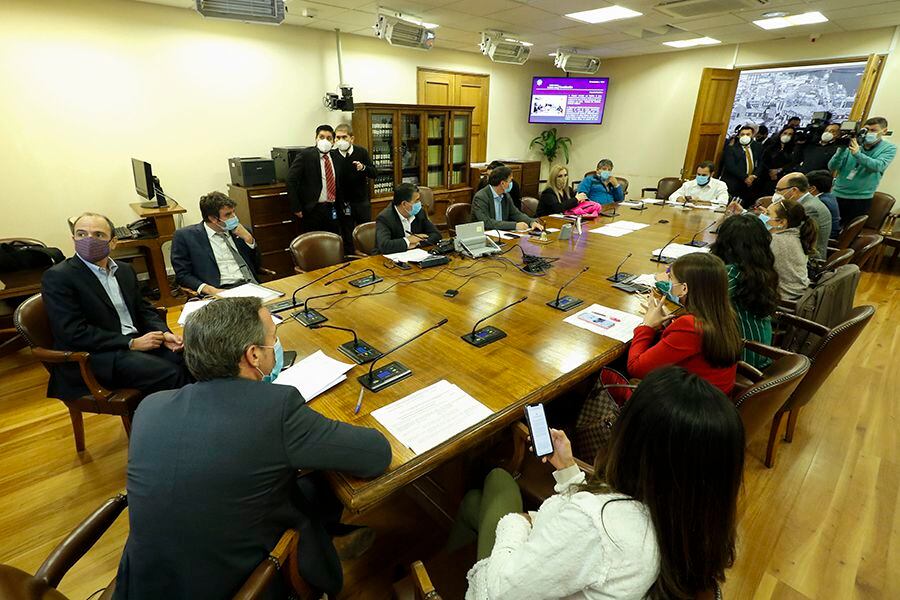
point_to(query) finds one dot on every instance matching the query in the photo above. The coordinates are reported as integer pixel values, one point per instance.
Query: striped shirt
(751, 326)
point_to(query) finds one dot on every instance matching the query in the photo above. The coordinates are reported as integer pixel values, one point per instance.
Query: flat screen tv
(568, 100)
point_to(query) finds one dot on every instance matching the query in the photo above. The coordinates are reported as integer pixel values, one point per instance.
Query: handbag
(599, 413)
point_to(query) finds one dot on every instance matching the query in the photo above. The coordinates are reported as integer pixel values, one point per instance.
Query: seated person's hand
(173, 342)
(537, 226)
(522, 226)
(581, 196)
(299, 214)
(613, 181)
(657, 314)
(562, 451)
(413, 240)
(734, 208)
(211, 290)
(148, 341)
(750, 179)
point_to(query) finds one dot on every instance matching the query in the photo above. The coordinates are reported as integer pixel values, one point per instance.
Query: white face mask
(343, 145)
(745, 139)
(827, 136)
(785, 139)
(323, 146)
(776, 198)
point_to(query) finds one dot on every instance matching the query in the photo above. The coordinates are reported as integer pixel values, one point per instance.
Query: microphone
(309, 317)
(701, 243)
(392, 372)
(567, 302)
(362, 282)
(643, 205)
(288, 304)
(453, 292)
(620, 277)
(612, 214)
(486, 335)
(659, 255)
(358, 351)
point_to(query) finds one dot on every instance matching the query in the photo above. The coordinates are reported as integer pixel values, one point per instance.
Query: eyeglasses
(784, 189)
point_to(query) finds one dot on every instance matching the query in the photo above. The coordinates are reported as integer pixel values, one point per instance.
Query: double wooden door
(459, 89)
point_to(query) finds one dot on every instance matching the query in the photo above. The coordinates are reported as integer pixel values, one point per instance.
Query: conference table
(540, 358)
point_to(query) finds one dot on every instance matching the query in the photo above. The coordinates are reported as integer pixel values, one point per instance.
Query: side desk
(164, 219)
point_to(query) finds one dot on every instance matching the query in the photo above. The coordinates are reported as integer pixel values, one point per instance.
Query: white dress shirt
(715, 191)
(407, 224)
(229, 270)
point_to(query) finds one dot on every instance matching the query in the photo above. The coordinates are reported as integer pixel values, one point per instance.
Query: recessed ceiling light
(704, 41)
(782, 22)
(602, 15)
(552, 54)
(775, 13)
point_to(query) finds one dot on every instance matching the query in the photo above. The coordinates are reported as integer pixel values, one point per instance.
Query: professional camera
(851, 130)
(813, 132)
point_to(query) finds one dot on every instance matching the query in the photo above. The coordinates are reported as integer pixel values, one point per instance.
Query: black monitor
(146, 185)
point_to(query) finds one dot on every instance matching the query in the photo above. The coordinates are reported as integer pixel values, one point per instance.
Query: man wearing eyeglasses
(795, 186)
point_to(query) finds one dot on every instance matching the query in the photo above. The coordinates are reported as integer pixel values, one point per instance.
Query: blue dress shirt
(109, 282)
(498, 204)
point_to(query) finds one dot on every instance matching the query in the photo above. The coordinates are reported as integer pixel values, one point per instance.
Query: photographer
(860, 168)
(815, 155)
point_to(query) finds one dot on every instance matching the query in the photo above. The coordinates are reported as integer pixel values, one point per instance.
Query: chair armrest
(787, 306)
(766, 350)
(268, 569)
(649, 189)
(76, 544)
(66, 356)
(354, 256)
(162, 311)
(810, 326)
(422, 580)
(750, 372)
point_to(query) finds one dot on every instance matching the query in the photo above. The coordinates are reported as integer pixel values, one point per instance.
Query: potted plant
(550, 144)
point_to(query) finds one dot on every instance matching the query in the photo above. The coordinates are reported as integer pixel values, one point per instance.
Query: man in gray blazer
(212, 468)
(493, 205)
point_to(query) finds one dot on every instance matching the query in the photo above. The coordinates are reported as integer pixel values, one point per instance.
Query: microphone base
(665, 260)
(310, 317)
(641, 207)
(359, 352)
(484, 336)
(565, 303)
(608, 214)
(698, 244)
(384, 376)
(366, 281)
(283, 305)
(620, 277)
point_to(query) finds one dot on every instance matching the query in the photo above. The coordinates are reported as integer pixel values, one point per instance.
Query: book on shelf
(459, 153)
(459, 127)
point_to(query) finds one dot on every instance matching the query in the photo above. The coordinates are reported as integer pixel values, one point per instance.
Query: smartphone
(539, 430)
(597, 319)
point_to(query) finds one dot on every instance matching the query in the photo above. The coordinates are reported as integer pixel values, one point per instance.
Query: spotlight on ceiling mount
(403, 30)
(572, 62)
(501, 48)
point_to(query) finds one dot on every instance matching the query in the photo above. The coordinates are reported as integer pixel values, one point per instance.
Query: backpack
(22, 256)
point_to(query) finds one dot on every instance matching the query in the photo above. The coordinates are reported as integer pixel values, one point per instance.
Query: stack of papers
(618, 228)
(674, 251)
(648, 279)
(431, 416)
(610, 322)
(314, 374)
(250, 290)
(692, 205)
(192, 306)
(414, 255)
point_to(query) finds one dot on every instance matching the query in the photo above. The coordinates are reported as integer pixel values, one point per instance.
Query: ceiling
(541, 21)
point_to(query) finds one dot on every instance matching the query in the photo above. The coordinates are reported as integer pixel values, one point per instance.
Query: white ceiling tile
(606, 38)
(848, 14)
(872, 22)
(718, 21)
(480, 8)
(322, 11)
(562, 7)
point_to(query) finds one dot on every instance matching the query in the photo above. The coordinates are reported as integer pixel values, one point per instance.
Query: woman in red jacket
(704, 339)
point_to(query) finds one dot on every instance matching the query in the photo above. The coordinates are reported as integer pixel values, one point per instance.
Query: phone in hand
(539, 430)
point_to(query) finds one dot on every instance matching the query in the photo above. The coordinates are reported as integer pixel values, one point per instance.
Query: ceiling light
(502, 49)
(791, 21)
(602, 15)
(572, 62)
(704, 41)
(775, 13)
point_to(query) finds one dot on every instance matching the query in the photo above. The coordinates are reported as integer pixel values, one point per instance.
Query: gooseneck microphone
(658, 257)
(370, 279)
(643, 205)
(618, 277)
(394, 371)
(357, 350)
(309, 317)
(486, 335)
(567, 302)
(701, 243)
(288, 304)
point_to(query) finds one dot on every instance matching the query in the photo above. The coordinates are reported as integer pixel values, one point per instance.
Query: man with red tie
(313, 185)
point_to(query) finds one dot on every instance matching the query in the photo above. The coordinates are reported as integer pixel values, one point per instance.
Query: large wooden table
(540, 358)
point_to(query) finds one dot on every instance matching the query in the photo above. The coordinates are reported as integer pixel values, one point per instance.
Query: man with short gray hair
(212, 468)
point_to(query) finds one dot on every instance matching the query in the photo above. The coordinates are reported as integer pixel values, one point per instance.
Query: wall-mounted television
(568, 100)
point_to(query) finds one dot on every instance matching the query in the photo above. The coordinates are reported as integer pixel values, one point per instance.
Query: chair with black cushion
(317, 250)
(415, 586)
(849, 233)
(865, 248)
(33, 324)
(882, 203)
(458, 214)
(833, 345)
(664, 187)
(364, 238)
(529, 206)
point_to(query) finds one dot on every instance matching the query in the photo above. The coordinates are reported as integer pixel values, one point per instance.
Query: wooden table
(164, 218)
(540, 358)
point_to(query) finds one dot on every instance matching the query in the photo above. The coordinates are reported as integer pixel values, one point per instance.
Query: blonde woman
(557, 197)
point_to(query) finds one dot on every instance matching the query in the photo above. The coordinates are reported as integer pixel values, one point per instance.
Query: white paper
(250, 290)
(610, 322)
(691, 205)
(551, 229)
(611, 231)
(431, 416)
(643, 200)
(629, 225)
(503, 235)
(414, 255)
(674, 251)
(191, 307)
(648, 279)
(314, 374)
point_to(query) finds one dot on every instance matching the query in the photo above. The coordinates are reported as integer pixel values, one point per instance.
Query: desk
(164, 218)
(21, 283)
(540, 358)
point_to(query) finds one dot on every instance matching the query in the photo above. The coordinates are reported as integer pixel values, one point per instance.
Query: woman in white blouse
(660, 524)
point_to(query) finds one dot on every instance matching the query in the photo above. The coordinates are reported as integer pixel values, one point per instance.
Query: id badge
(346, 210)
(851, 174)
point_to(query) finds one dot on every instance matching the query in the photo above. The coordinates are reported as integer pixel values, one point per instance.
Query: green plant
(550, 144)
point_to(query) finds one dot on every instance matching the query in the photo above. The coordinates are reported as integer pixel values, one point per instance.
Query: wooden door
(460, 89)
(715, 101)
(867, 86)
(436, 87)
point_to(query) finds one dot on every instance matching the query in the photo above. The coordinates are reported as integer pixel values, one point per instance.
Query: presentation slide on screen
(568, 99)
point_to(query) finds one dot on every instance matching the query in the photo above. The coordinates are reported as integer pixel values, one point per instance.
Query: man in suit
(403, 224)
(493, 205)
(218, 253)
(795, 186)
(94, 305)
(212, 468)
(354, 168)
(741, 167)
(314, 187)
(515, 191)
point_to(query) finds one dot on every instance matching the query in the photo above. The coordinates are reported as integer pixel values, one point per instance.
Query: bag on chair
(599, 413)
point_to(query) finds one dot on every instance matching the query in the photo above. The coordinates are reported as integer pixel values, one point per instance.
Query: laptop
(471, 240)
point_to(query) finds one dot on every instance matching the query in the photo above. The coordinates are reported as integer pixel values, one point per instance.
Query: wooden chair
(33, 324)
(849, 233)
(865, 248)
(415, 586)
(318, 249)
(364, 238)
(882, 203)
(529, 206)
(458, 214)
(426, 197)
(891, 242)
(825, 356)
(838, 258)
(664, 187)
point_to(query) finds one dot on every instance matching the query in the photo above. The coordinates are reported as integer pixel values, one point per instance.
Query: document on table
(692, 205)
(610, 322)
(414, 255)
(630, 225)
(431, 416)
(503, 235)
(619, 228)
(648, 279)
(314, 374)
(636, 203)
(674, 251)
(251, 290)
(191, 307)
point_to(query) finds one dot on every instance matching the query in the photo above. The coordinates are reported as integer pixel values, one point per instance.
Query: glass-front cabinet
(460, 141)
(436, 156)
(382, 151)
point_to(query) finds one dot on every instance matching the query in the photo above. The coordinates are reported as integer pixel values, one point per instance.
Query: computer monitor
(146, 185)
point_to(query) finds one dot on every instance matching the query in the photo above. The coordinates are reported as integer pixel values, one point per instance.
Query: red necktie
(329, 178)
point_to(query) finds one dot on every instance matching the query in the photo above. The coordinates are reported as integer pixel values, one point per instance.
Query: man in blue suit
(218, 253)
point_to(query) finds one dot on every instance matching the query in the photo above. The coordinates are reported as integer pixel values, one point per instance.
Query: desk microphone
(288, 304)
(309, 317)
(567, 302)
(486, 335)
(357, 350)
(659, 255)
(643, 205)
(618, 277)
(613, 214)
(701, 243)
(392, 372)
(371, 279)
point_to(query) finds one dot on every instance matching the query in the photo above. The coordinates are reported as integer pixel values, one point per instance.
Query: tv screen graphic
(570, 100)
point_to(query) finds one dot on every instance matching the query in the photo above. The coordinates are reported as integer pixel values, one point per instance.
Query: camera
(343, 102)
(851, 130)
(813, 131)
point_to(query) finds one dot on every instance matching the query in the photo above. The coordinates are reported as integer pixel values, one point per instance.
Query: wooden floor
(823, 524)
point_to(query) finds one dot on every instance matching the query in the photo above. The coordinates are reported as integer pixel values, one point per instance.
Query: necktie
(241, 263)
(749, 156)
(329, 178)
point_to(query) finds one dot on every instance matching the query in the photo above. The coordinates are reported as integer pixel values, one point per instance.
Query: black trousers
(321, 217)
(151, 371)
(317, 559)
(850, 208)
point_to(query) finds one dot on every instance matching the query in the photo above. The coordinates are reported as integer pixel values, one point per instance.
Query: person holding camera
(859, 168)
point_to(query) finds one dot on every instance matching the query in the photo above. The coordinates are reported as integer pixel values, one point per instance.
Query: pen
(359, 400)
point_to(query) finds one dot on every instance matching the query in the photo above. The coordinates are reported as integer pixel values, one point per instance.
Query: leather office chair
(865, 248)
(838, 258)
(664, 187)
(416, 586)
(318, 249)
(825, 356)
(458, 214)
(850, 232)
(426, 197)
(882, 203)
(529, 206)
(364, 238)
(33, 324)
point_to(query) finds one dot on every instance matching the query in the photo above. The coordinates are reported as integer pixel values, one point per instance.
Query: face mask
(871, 138)
(745, 139)
(765, 219)
(827, 137)
(776, 197)
(324, 146)
(92, 249)
(666, 288)
(785, 139)
(279, 362)
(230, 224)
(508, 188)
(343, 145)
(702, 179)
(415, 209)
(604, 175)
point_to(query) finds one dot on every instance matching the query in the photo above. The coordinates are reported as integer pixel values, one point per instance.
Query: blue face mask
(871, 138)
(230, 224)
(702, 179)
(604, 175)
(415, 209)
(279, 362)
(666, 288)
(508, 187)
(765, 219)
